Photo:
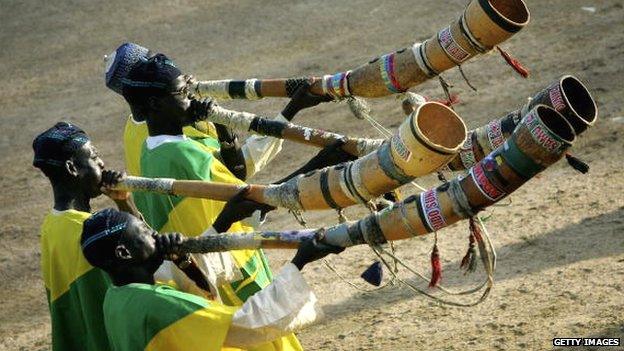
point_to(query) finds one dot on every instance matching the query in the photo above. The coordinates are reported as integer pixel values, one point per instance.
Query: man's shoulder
(64, 220)
(148, 296)
(186, 153)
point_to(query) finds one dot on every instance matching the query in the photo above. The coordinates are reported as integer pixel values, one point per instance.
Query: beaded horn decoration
(483, 25)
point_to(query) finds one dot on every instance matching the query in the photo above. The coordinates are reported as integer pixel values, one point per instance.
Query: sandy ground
(560, 242)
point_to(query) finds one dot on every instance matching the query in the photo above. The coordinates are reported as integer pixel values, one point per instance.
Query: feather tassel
(514, 63)
(469, 262)
(436, 267)
(577, 163)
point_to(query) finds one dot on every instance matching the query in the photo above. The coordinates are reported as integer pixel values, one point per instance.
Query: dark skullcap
(100, 236)
(149, 77)
(57, 145)
(120, 62)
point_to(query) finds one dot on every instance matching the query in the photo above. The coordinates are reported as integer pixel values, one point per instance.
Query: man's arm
(259, 150)
(231, 152)
(284, 306)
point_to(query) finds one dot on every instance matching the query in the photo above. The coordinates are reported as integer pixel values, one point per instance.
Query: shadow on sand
(558, 248)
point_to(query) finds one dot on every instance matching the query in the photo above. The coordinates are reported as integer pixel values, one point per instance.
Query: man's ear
(122, 253)
(71, 168)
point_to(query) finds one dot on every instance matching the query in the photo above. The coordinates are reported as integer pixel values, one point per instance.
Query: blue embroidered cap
(120, 62)
(57, 144)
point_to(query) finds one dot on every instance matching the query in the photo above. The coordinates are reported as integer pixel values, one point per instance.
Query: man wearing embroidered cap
(140, 315)
(75, 289)
(243, 161)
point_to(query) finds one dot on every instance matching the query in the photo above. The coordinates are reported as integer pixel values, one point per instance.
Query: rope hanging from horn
(434, 281)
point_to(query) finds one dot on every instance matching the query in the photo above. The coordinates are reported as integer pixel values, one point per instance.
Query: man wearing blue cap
(141, 315)
(242, 161)
(74, 288)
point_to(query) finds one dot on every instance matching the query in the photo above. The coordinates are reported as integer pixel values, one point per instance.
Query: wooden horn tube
(247, 241)
(541, 139)
(314, 137)
(191, 188)
(483, 25)
(567, 95)
(250, 89)
(424, 142)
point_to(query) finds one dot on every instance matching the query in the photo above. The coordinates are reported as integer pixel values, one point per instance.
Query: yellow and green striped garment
(157, 317)
(193, 160)
(75, 289)
(135, 134)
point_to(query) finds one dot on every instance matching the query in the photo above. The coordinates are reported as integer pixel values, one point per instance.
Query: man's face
(175, 105)
(89, 167)
(139, 239)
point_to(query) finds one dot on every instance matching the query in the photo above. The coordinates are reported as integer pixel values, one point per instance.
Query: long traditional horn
(567, 95)
(248, 241)
(540, 140)
(246, 121)
(483, 25)
(425, 141)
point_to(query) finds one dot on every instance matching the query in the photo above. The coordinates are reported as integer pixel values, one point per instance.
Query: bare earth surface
(560, 242)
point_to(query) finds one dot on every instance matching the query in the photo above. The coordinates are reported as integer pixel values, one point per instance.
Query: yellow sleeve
(135, 134)
(205, 329)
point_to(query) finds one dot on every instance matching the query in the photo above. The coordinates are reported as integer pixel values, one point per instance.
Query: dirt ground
(560, 242)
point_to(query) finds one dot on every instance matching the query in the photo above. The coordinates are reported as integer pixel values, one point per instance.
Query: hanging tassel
(475, 230)
(576, 163)
(436, 266)
(359, 107)
(373, 274)
(469, 262)
(515, 64)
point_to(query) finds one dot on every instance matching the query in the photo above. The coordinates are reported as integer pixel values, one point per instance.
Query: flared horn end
(488, 23)
(511, 15)
(438, 127)
(581, 103)
(543, 135)
(556, 124)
